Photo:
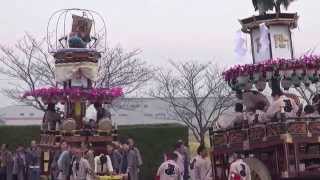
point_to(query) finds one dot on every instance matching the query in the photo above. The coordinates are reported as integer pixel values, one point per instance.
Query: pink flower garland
(93, 95)
(304, 62)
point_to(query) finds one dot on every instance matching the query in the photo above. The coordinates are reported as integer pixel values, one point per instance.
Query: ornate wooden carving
(72, 56)
(275, 129)
(220, 139)
(256, 134)
(314, 127)
(237, 136)
(99, 138)
(74, 138)
(297, 128)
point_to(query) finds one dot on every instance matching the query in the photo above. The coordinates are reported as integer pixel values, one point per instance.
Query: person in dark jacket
(186, 160)
(115, 157)
(65, 162)
(33, 161)
(124, 161)
(19, 164)
(54, 170)
(51, 118)
(6, 163)
(101, 112)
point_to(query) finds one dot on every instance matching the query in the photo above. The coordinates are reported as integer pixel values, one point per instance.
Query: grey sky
(200, 30)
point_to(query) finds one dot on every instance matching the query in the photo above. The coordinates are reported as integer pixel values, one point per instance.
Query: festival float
(77, 50)
(287, 146)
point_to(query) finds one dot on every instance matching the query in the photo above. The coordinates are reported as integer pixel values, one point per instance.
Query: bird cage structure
(88, 24)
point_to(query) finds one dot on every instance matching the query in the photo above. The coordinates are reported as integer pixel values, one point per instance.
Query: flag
(264, 38)
(241, 45)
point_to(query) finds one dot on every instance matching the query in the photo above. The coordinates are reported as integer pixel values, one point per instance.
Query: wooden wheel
(258, 170)
(255, 176)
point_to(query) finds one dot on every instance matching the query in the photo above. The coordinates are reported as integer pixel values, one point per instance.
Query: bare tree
(124, 69)
(28, 66)
(196, 93)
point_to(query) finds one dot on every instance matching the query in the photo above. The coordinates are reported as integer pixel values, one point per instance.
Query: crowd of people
(21, 164)
(80, 162)
(72, 162)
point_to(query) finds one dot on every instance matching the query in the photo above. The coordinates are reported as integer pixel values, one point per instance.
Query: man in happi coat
(239, 170)
(169, 170)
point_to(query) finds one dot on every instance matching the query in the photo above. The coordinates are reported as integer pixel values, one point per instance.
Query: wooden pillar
(286, 160)
(225, 167)
(45, 161)
(214, 166)
(78, 114)
(277, 161)
(213, 157)
(296, 157)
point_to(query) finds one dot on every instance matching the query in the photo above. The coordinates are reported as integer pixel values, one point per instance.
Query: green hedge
(152, 140)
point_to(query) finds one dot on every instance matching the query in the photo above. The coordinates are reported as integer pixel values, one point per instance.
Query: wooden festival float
(288, 148)
(76, 50)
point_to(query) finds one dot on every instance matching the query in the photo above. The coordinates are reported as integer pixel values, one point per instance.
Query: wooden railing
(296, 126)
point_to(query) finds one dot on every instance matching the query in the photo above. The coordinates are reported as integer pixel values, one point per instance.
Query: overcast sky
(201, 30)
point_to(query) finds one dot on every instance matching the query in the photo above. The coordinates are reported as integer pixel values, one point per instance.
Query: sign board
(280, 44)
(81, 25)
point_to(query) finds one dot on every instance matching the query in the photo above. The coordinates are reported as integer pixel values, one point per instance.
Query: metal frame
(57, 21)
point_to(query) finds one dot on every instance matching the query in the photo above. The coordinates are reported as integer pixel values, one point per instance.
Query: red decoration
(72, 94)
(302, 63)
